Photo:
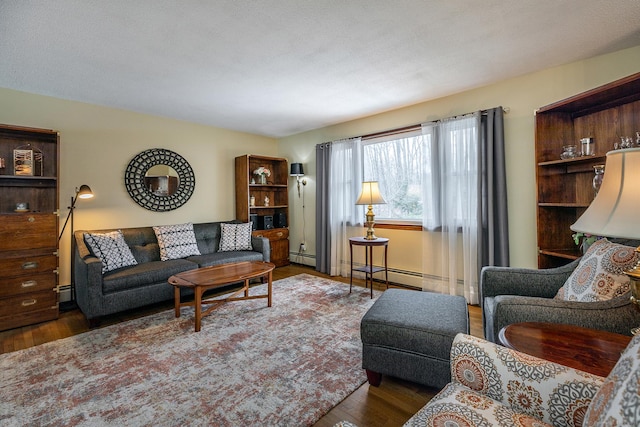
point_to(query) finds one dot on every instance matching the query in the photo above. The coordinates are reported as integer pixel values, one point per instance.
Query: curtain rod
(415, 127)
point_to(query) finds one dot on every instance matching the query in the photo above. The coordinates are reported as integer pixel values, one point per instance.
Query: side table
(588, 350)
(369, 269)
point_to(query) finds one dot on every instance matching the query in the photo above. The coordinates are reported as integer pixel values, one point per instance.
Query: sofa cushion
(176, 241)
(235, 237)
(600, 273)
(142, 275)
(111, 249)
(217, 258)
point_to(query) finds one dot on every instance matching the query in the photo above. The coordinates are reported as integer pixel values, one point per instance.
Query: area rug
(250, 365)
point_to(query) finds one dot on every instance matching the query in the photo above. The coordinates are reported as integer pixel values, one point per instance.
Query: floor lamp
(84, 192)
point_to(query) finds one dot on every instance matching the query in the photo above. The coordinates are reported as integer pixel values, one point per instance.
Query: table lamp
(616, 209)
(370, 196)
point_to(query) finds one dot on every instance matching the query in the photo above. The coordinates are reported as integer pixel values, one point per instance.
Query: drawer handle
(31, 219)
(30, 265)
(28, 302)
(29, 283)
(259, 235)
(279, 233)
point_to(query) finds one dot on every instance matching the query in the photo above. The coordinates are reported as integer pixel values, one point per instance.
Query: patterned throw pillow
(617, 403)
(111, 249)
(176, 241)
(600, 273)
(235, 237)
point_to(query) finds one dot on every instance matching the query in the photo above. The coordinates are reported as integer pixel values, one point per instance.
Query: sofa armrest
(550, 391)
(261, 244)
(524, 281)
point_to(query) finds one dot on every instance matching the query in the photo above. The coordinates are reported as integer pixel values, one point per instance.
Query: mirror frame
(135, 173)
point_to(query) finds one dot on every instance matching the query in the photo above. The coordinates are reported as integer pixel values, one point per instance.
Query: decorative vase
(252, 201)
(263, 179)
(597, 179)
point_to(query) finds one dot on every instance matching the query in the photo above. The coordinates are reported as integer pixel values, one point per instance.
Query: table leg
(176, 299)
(351, 274)
(371, 266)
(246, 288)
(386, 269)
(269, 289)
(198, 306)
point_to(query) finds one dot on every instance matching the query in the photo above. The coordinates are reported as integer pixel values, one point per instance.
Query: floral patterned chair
(495, 386)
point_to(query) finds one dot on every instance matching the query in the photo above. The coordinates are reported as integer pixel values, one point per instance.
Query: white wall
(97, 144)
(522, 95)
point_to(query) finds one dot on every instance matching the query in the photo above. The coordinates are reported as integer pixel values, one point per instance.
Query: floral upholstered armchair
(591, 292)
(495, 386)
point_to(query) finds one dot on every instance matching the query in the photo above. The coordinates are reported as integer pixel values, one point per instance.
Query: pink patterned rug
(251, 365)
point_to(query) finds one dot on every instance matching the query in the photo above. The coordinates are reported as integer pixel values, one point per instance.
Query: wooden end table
(203, 279)
(369, 268)
(588, 350)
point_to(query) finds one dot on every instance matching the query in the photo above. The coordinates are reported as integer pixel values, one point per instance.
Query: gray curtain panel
(493, 241)
(323, 231)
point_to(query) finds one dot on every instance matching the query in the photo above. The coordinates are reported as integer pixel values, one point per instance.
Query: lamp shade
(84, 192)
(370, 194)
(616, 209)
(296, 169)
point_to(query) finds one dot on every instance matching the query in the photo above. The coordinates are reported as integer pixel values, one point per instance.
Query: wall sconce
(298, 171)
(370, 196)
(84, 192)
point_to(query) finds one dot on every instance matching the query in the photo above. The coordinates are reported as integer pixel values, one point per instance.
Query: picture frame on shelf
(23, 162)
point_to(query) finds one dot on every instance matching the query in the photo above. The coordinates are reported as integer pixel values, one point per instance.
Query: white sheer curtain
(345, 182)
(451, 191)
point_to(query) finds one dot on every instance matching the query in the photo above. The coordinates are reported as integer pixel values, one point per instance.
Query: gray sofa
(99, 294)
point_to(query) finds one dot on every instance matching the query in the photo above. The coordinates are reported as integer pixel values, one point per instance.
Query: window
(397, 163)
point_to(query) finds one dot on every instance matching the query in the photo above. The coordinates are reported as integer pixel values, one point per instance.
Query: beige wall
(522, 95)
(97, 144)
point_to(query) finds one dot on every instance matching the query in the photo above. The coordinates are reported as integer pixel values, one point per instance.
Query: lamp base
(370, 221)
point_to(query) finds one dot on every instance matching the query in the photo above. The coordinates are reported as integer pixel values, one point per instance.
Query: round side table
(369, 269)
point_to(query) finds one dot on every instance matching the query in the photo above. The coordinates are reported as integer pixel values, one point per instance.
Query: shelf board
(570, 254)
(583, 159)
(268, 207)
(268, 185)
(564, 205)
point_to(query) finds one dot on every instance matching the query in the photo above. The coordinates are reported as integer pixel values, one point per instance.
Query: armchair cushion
(600, 273)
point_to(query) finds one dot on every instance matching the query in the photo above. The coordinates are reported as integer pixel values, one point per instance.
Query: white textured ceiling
(279, 67)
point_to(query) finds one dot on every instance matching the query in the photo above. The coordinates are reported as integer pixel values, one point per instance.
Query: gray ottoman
(408, 334)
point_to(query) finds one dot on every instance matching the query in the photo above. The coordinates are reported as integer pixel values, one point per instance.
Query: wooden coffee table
(217, 276)
(585, 349)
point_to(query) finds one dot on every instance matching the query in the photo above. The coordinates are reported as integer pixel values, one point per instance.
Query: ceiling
(280, 67)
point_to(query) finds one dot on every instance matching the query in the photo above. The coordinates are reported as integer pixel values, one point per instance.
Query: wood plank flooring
(389, 405)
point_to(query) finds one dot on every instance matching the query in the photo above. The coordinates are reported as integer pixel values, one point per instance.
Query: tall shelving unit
(276, 189)
(29, 250)
(564, 187)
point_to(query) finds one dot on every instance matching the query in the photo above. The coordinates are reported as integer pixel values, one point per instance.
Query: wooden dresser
(28, 237)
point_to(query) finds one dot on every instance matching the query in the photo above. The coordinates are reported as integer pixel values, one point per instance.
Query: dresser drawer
(26, 266)
(29, 318)
(29, 302)
(273, 234)
(28, 231)
(25, 284)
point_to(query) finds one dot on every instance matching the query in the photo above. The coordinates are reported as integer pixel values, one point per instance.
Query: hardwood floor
(389, 405)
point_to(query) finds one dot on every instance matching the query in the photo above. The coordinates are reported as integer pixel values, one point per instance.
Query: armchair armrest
(549, 391)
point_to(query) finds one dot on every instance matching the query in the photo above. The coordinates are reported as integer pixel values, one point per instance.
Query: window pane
(398, 166)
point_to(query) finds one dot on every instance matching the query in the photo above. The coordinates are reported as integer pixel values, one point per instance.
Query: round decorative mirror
(159, 180)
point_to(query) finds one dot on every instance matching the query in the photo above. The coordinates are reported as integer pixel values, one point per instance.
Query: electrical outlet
(303, 247)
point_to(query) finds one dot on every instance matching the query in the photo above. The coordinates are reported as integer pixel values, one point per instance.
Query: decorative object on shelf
(370, 195)
(614, 211)
(298, 171)
(587, 146)
(136, 175)
(84, 192)
(252, 201)
(597, 178)
(569, 152)
(266, 200)
(22, 207)
(253, 181)
(637, 139)
(262, 173)
(27, 161)
(3, 164)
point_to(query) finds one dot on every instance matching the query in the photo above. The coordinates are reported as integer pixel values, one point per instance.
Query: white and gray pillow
(235, 237)
(111, 249)
(176, 241)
